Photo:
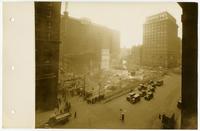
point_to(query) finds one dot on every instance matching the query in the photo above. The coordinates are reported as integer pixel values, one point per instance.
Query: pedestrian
(56, 112)
(75, 114)
(164, 118)
(159, 116)
(122, 117)
(66, 107)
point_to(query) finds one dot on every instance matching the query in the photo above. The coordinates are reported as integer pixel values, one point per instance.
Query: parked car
(58, 119)
(143, 87)
(130, 96)
(151, 82)
(142, 93)
(151, 88)
(135, 99)
(154, 84)
(159, 83)
(149, 96)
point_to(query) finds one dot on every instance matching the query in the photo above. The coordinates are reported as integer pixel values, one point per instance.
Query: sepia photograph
(115, 65)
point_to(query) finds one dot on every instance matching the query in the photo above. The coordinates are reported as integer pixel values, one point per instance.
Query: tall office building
(83, 44)
(47, 35)
(161, 45)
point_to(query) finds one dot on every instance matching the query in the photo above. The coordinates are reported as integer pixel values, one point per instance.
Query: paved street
(143, 115)
(91, 74)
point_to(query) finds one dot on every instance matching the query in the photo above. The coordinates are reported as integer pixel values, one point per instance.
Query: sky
(126, 17)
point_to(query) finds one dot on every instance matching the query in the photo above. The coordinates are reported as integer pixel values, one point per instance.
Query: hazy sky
(126, 17)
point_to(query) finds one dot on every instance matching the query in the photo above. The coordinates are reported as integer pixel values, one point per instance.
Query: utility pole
(99, 88)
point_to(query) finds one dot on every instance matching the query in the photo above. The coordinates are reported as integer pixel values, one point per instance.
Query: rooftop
(159, 17)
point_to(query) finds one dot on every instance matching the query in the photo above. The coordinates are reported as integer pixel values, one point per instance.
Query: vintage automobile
(151, 88)
(159, 83)
(142, 93)
(151, 82)
(143, 87)
(132, 100)
(149, 96)
(58, 119)
(135, 99)
(130, 96)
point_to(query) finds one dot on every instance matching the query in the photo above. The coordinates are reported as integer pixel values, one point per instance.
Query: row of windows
(157, 26)
(148, 42)
(154, 38)
(155, 41)
(154, 49)
(155, 30)
(158, 17)
(158, 48)
(159, 23)
(156, 33)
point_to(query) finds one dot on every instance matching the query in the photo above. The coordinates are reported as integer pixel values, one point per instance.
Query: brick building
(83, 42)
(161, 45)
(47, 35)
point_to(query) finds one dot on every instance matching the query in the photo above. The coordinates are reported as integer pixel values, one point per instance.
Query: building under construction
(47, 35)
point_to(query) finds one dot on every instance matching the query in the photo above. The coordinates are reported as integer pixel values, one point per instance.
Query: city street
(143, 114)
(100, 65)
(109, 75)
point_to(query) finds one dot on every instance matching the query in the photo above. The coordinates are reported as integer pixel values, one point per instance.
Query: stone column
(189, 65)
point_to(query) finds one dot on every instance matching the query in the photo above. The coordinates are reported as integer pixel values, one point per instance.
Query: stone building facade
(161, 45)
(47, 36)
(83, 42)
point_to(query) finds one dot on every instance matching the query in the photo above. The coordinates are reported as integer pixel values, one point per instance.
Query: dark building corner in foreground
(47, 34)
(189, 65)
